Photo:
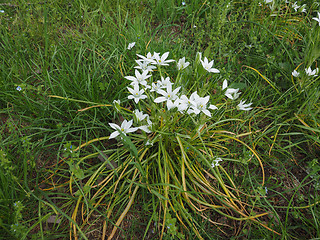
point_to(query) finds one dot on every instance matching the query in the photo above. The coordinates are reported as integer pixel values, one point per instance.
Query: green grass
(70, 59)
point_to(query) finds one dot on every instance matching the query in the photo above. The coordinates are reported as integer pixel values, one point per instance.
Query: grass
(62, 178)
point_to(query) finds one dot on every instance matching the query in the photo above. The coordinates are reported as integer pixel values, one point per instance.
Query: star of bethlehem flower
(200, 105)
(136, 93)
(303, 8)
(140, 115)
(131, 45)
(215, 162)
(116, 104)
(185, 104)
(139, 78)
(311, 72)
(295, 6)
(144, 65)
(243, 106)
(295, 73)
(165, 82)
(182, 64)
(232, 93)
(317, 18)
(148, 58)
(208, 65)
(147, 128)
(124, 128)
(168, 96)
(161, 61)
(155, 87)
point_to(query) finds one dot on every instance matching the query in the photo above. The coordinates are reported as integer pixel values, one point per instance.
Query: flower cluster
(309, 72)
(295, 5)
(164, 94)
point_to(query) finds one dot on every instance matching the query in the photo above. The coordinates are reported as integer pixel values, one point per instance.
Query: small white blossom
(131, 45)
(155, 87)
(144, 65)
(243, 106)
(295, 73)
(232, 93)
(311, 72)
(183, 3)
(1, 11)
(165, 82)
(201, 105)
(116, 104)
(161, 61)
(182, 64)
(208, 65)
(303, 8)
(148, 58)
(19, 88)
(124, 128)
(140, 115)
(136, 93)
(168, 96)
(295, 6)
(139, 78)
(215, 162)
(318, 18)
(185, 104)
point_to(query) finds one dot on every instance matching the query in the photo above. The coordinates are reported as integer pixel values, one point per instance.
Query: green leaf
(207, 52)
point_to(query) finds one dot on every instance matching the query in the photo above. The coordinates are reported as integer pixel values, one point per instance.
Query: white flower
(149, 143)
(268, 1)
(303, 8)
(318, 18)
(309, 72)
(1, 11)
(165, 82)
(208, 65)
(295, 6)
(136, 93)
(215, 162)
(295, 73)
(19, 88)
(212, 107)
(168, 96)
(183, 3)
(243, 106)
(232, 93)
(155, 87)
(148, 58)
(201, 105)
(116, 104)
(139, 115)
(198, 104)
(182, 64)
(161, 61)
(139, 78)
(185, 104)
(147, 128)
(124, 128)
(131, 45)
(144, 65)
